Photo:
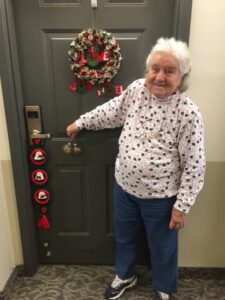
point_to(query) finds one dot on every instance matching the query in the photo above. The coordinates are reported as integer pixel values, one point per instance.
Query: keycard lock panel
(33, 120)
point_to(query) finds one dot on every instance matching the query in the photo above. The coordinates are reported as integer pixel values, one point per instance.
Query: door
(80, 210)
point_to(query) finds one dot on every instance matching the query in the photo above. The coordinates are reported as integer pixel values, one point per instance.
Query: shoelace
(117, 282)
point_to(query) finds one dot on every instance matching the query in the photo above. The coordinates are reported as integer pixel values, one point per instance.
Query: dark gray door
(80, 210)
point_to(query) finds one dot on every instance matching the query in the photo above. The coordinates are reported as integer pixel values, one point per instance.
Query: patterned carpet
(70, 282)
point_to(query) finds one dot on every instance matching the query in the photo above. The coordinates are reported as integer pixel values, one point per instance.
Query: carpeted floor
(70, 282)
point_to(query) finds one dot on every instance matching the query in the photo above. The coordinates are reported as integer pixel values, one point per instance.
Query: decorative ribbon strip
(105, 90)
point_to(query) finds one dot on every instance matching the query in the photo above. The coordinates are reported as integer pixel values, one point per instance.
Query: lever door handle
(41, 136)
(37, 135)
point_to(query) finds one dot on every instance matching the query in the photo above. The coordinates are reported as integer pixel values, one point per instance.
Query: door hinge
(48, 251)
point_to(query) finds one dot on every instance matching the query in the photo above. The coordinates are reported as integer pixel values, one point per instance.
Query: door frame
(14, 110)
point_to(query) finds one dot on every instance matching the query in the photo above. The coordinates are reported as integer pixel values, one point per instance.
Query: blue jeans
(130, 213)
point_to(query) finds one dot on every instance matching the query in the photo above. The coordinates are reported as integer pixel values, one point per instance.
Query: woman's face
(163, 76)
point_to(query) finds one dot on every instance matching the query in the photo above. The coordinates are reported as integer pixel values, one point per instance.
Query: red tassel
(44, 223)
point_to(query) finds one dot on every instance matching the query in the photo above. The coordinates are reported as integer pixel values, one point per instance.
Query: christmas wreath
(95, 58)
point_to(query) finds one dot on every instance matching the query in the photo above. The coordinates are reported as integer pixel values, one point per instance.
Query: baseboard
(202, 272)
(4, 294)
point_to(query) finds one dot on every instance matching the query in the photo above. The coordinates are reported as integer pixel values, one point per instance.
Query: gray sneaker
(119, 286)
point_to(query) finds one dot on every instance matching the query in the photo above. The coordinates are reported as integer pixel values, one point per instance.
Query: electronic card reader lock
(34, 124)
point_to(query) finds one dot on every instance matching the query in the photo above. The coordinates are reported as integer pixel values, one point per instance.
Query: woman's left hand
(178, 219)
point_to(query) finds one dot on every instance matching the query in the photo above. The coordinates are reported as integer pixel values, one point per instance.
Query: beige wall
(207, 44)
(202, 242)
(10, 245)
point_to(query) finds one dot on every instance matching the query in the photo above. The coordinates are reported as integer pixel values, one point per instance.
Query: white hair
(180, 50)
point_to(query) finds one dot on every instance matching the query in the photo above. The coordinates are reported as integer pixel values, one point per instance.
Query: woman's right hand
(72, 130)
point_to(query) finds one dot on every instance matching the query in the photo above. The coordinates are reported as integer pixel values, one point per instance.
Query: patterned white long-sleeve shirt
(161, 147)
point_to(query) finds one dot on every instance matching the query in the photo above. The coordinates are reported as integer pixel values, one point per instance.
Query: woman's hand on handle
(72, 130)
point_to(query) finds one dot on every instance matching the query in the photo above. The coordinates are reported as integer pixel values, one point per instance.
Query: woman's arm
(111, 114)
(191, 149)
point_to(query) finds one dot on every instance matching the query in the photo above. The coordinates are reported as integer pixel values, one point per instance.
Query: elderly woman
(160, 166)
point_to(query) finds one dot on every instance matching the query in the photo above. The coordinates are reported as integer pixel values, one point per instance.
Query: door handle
(42, 136)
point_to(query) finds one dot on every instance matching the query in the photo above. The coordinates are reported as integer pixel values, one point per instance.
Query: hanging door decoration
(95, 59)
(39, 178)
